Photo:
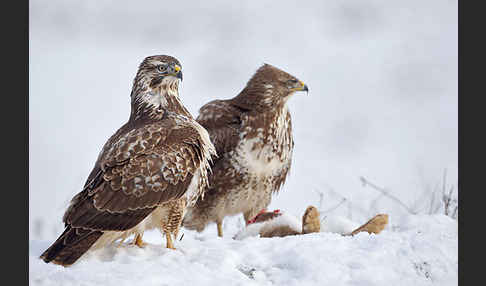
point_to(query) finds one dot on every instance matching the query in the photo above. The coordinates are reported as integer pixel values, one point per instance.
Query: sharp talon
(170, 243)
(138, 241)
(220, 228)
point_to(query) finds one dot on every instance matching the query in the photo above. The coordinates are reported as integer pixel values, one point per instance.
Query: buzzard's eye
(291, 83)
(162, 68)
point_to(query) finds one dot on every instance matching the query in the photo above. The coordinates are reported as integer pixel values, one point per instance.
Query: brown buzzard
(146, 173)
(252, 133)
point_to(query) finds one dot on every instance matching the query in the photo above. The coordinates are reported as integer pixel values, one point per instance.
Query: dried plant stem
(387, 194)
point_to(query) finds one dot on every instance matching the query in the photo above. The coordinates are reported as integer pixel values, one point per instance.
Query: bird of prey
(147, 172)
(252, 133)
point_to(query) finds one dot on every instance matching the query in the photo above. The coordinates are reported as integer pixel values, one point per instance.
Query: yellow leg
(138, 241)
(170, 243)
(220, 228)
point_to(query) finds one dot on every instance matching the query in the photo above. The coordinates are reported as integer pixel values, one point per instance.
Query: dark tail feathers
(70, 246)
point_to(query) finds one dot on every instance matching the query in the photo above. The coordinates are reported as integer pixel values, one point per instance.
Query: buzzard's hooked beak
(178, 71)
(301, 87)
(173, 70)
(305, 88)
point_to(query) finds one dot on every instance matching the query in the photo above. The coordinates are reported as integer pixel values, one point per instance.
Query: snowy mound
(420, 250)
(338, 224)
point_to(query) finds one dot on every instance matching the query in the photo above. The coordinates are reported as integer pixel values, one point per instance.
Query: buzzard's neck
(260, 98)
(249, 100)
(262, 109)
(273, 124)
(155, 104)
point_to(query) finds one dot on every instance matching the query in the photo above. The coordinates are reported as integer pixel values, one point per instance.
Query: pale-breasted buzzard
(146, 174)
(252, 133)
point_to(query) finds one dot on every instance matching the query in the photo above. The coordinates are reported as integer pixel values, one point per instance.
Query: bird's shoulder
(135, 139)
(223, 121)
(219, 113)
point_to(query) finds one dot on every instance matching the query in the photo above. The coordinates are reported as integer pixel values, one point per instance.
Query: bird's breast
(258, 159)
(265, 145)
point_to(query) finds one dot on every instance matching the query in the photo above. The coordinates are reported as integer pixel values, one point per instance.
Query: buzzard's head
(156, 86)
(270, 87)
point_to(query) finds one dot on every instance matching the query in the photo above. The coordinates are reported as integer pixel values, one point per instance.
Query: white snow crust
(417, 250)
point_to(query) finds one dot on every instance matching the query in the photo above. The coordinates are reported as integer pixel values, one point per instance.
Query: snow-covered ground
(417, 250)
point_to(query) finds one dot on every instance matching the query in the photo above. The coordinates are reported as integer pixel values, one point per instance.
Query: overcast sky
(382, 77)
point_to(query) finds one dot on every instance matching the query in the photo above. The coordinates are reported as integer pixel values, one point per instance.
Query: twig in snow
(335, 207)
(352, 205)
(386, 193)
(321, 198)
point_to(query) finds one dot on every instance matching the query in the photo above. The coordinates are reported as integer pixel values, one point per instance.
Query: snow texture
(338, 224)
(417, 250)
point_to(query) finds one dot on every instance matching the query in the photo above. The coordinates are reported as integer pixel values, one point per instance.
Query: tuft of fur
(280, 231)
(311, 221)
(276, 224)
(374, 225)
(261, 217)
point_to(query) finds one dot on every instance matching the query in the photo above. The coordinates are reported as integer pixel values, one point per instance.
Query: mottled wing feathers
(222, 121)
(85, 215)
(139, 170)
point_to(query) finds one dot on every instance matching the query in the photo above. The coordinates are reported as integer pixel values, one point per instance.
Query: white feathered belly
(259, 167)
